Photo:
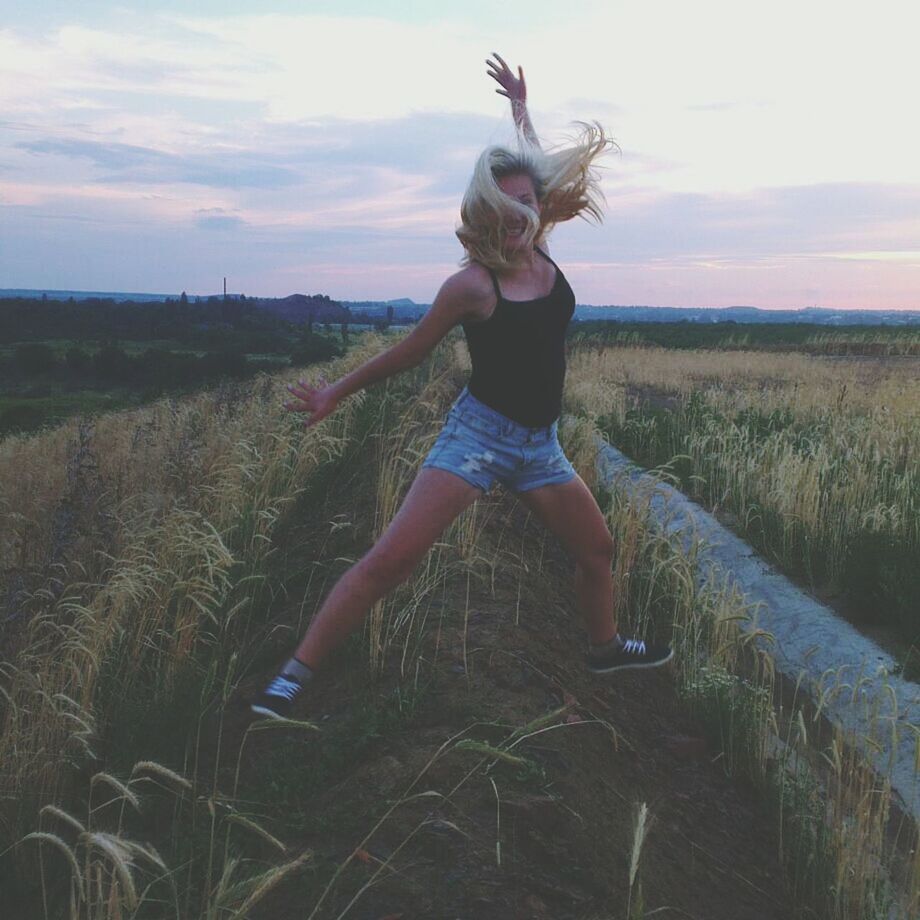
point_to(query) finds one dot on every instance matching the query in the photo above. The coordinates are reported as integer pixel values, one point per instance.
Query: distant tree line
(728, 334)
(215, 319)
(162, 368)
(112, 365)
(54, 351)
(218, 325)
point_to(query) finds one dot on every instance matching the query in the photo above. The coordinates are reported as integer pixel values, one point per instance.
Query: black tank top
(518, 354)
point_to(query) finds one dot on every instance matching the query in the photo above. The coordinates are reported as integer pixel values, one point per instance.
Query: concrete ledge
(853, 673)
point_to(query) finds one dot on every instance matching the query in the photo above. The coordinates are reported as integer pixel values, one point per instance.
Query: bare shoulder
(469, 292)
(472, 281)
(465, 295)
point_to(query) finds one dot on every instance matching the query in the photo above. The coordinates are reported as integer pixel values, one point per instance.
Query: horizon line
(236, 296)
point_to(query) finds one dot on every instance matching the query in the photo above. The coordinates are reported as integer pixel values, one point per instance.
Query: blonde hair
(566, 185)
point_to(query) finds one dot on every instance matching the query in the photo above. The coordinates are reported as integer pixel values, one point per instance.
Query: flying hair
(565, 180)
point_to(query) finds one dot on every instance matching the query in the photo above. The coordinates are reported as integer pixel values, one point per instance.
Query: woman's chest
(509, 320)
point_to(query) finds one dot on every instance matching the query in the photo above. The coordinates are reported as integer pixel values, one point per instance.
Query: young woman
(514, 305)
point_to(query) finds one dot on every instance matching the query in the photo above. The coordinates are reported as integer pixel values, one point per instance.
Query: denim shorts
(481, 446)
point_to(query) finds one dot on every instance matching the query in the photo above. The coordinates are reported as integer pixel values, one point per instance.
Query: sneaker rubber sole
(629, 665)
(265, 711)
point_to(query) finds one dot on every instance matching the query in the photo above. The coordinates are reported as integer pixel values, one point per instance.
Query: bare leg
(433, 501)
(594, 597)
(343, 610)
(570, 511)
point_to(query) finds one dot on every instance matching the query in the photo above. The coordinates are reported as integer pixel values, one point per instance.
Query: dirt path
(547, 838)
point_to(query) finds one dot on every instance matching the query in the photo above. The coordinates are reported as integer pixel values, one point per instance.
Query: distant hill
(740, 314)
(817, 315)
(299, 308)
(119, 296)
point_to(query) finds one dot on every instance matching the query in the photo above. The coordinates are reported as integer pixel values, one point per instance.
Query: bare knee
(387, 569)
(598, 558)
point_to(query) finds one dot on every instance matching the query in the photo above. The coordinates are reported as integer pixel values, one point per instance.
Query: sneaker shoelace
(634, 647)
(283, 687)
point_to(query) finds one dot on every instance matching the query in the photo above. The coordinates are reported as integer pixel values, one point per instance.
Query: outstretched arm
(458, 297)
(515, 89)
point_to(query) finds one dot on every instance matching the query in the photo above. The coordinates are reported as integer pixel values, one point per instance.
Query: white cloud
(739, 96)
(752, 136)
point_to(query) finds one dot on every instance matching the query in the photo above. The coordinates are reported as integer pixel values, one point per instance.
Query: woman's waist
(524, 413)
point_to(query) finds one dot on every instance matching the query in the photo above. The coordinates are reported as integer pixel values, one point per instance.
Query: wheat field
(135, 549)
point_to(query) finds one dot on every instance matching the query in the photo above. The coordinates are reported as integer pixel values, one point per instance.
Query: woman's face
(520, 187)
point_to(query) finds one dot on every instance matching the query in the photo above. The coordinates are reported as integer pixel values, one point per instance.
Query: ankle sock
(298, 670)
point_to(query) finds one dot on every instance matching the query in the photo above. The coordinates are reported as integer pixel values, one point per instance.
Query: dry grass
(846, 856)
(819, 459)
(869, 342)
(837, 836)
(163, 513)
(132, 539)
(190, 494)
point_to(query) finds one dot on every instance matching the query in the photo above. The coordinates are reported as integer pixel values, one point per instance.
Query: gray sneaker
(276, 700)
(627, 653)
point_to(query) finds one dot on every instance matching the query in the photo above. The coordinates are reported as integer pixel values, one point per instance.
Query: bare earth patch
(549, 838)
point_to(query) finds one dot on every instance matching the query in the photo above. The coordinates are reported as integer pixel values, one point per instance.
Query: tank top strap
(494, 278)
(492, 275)
(548, 259)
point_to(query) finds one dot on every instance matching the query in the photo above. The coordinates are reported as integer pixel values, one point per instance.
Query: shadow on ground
(545, 831)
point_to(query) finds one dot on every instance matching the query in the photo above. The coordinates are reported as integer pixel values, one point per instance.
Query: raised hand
(319, 401)
(513, 87)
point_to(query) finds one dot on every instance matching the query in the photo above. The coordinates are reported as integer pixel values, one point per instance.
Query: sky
(769, 153)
